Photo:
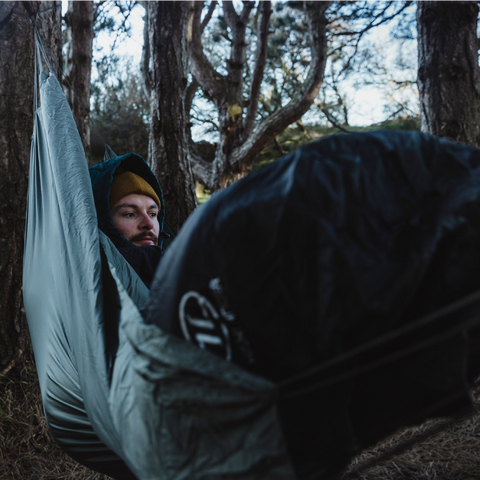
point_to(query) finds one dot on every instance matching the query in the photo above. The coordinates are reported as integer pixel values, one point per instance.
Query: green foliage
(121, 113)
(298, 135)
(202, 193)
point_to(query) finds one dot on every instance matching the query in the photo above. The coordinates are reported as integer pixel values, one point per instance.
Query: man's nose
(146, 222)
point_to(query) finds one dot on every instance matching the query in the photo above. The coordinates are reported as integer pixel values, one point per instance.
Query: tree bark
(448, 71)
(168, 145)
(16, 125)
(261, 53)
(79, 19)
(145, 59)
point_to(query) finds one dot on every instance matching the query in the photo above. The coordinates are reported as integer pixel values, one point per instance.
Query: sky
(369, 102)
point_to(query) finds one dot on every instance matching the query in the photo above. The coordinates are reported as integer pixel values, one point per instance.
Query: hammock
(143, 403)
(126, 398)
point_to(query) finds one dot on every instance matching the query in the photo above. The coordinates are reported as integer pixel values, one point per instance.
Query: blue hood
(102, 177)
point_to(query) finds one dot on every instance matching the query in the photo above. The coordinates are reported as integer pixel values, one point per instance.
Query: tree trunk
(16, 125)
(79, 19)
(168, 145)
(448, 72)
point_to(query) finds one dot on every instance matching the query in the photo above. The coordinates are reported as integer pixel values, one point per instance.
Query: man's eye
(153, 214)
(128, 215)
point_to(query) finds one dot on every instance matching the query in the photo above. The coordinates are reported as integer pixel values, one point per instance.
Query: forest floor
(27, 449)
(28, 452)
(452, 453)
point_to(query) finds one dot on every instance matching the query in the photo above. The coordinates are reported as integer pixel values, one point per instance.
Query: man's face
(136, 218)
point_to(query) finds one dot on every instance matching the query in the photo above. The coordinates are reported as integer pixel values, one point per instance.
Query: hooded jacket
(144, 260)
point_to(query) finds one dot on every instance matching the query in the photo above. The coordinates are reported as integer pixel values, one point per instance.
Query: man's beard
(142, 236)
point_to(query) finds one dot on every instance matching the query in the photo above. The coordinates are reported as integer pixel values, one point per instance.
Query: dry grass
(27, 450)
(451, 454)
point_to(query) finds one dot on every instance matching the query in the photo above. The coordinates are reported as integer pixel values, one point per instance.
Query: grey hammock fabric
(120, 396)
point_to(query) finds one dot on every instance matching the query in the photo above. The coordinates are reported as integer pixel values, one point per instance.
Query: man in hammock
(130, 211)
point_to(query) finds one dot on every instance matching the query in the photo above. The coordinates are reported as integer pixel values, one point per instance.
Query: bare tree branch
(244, 155)
(302, 128)
(238, 25)
(202, 170)
(359, 34)
(209, 79)
(231, 16)
(226, 37)
(278, 146)
(191, 90)
(205, 120)
(331, 119)
(260, 62)
(208, 16)
(372, 24)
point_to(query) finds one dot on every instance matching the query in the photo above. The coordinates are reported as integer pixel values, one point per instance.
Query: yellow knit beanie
(125, 183)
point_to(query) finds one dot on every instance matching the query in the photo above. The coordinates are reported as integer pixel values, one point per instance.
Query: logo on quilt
(210, 324)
